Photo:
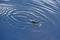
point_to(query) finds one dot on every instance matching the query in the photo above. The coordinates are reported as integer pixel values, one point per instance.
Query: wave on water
(34, 16)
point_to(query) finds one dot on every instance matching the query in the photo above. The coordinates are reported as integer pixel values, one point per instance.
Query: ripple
(39, 16)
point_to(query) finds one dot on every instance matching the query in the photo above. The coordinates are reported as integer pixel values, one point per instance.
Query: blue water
(29, 20)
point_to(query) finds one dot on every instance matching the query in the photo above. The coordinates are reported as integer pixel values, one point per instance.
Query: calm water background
(16, 18)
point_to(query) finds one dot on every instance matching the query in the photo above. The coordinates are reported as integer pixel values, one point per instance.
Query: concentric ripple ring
(36, 17)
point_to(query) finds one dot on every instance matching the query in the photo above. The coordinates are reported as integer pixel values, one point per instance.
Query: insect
(33, 21)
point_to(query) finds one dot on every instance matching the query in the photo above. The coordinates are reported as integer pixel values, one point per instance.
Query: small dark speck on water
(34, 21)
